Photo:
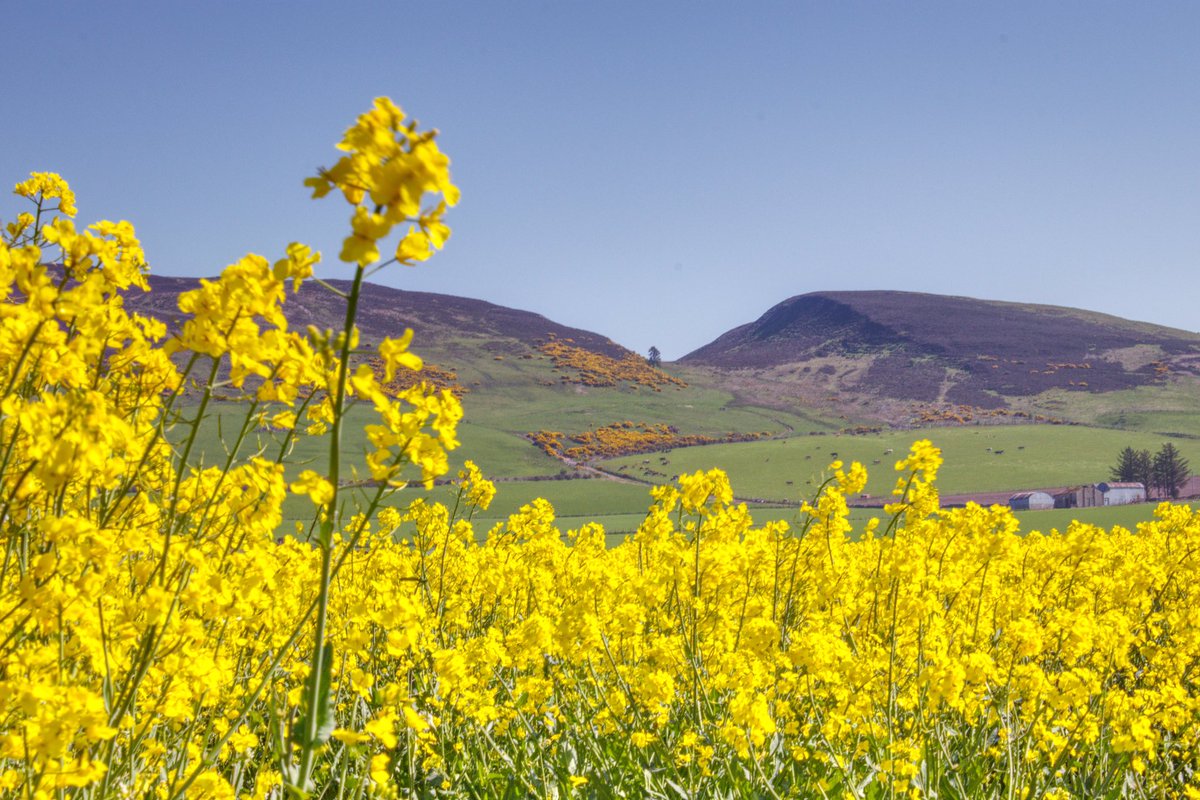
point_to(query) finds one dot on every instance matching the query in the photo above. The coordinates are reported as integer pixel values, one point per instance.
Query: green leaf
(326, 721)
(323, 710)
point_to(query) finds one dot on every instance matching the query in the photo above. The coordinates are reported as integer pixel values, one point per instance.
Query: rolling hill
(773, 401)
(869, 357)
(438, 319)
(521, 375)
(875, 349)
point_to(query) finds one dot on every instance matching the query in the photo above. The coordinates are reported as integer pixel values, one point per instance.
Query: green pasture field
(518, 395)
(571, 409)
(492, 433)
(1060, 518)
(1033, 457)
(1174, 408)
(1178, 422)
(621, 507)
(496, 451)
(628, 509)
(1038, 456)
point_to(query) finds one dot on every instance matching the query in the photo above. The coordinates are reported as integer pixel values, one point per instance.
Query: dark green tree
(1170, 471)
(1133, 466)
(1144, 472)
(654, 358)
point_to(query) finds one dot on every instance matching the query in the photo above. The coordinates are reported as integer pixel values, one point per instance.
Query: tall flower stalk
(388, 170)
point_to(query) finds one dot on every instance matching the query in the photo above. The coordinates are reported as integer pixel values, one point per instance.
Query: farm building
(1094, 495)
(1031, 501)
(1067, 498)
(1120, 494)
(1189, 489)
(1089, 496)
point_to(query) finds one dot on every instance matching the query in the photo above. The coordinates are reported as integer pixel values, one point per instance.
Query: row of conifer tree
(1163, 474)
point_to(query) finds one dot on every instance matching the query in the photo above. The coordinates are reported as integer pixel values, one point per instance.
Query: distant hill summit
(958, 350)
(467, 345)
(436, 319)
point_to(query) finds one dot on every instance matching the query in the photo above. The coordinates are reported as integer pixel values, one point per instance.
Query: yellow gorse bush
(157, 640)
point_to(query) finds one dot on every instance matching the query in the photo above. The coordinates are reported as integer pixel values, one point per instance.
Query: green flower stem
(310, 721)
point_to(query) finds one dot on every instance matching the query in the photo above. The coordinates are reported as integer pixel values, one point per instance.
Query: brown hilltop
(933, 348)
(436, 319)
(893, 357)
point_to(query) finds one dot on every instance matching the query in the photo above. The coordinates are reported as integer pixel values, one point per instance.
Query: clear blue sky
(656, 172)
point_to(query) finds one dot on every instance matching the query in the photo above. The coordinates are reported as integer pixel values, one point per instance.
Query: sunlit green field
(785, 470)
(978, 459)
(623, 507)
(498, 419)
(1171, 408)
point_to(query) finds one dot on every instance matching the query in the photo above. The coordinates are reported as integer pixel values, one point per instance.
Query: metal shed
(1031, 501)
(1121, 494)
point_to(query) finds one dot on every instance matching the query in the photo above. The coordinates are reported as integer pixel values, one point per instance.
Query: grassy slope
(520, 408)
(1174, 407)
(1052, 456)
(1161, 422)
(508, 403)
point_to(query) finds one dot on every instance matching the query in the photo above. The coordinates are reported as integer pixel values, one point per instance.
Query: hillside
(878, 346)
(532, 388)
(439, 320)
(773, 402)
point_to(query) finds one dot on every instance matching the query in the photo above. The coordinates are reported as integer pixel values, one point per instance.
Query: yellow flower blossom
(395, 355)
(48, 185)
(315, 486)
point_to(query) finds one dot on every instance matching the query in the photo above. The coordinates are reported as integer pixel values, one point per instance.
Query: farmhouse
(1031, 501)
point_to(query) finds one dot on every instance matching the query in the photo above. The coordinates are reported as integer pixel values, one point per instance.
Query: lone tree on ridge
(654, 358)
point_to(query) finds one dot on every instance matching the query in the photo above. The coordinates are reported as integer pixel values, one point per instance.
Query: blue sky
(656, 172)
